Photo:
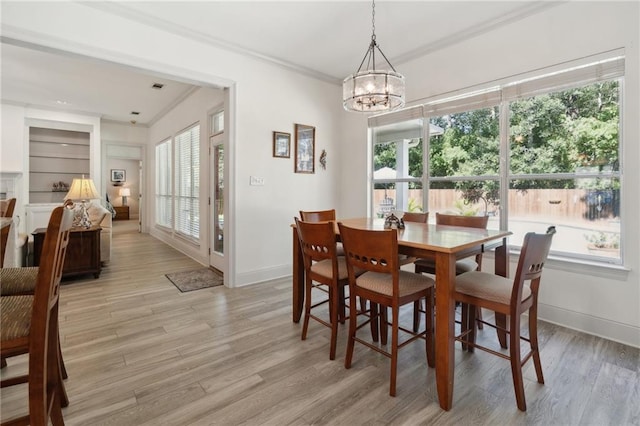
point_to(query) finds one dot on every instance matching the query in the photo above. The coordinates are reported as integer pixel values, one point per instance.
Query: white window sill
(578, 266)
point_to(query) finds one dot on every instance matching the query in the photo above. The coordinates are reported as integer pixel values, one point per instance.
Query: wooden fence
(567, 204)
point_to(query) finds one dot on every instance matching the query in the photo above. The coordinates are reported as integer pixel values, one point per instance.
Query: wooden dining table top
(435, 238)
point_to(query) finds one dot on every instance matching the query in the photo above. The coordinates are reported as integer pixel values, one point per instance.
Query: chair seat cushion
(488, 286)
(462, 265)
(16, 316)
(325, 268)
(17, 281)
(339, 249)
(408, 283)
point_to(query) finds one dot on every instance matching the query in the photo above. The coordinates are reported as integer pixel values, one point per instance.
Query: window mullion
(504, 165)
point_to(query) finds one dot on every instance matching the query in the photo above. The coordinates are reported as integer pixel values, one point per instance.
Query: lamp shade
(82, 189)
(125, 192)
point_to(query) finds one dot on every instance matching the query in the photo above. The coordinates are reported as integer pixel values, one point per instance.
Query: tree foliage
(560, 132)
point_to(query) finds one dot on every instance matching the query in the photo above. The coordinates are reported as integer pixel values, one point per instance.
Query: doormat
(195, 279)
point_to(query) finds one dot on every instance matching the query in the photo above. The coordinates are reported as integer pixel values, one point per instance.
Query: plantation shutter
(187, 206)
(163, 184)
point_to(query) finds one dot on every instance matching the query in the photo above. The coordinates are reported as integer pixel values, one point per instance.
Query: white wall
(600, 301)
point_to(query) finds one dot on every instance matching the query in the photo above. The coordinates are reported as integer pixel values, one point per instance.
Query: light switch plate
(256, 181)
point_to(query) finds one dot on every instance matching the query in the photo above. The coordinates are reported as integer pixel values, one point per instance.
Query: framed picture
(118, 176)
(305, 149)
(281, 144)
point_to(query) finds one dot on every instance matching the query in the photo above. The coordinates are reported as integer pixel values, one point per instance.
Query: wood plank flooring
(139, 352)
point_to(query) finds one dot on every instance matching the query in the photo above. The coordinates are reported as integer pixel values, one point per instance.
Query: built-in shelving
(55, 156)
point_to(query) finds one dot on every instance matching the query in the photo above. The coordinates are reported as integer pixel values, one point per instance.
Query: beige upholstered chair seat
(16, 316)
(488, 286)
(462, 265)
(325, 268)
(408, 283)
(16, 281)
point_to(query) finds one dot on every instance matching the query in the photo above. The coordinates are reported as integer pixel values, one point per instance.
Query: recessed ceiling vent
(157, 86)
(135, 113)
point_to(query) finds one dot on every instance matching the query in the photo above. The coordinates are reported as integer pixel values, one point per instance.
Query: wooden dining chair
(324, 271)
(385, 284)
(428, 266)
(6, 210)
(403, 259)
(22, 282)
(318, 215)
(477, 290)
(7, 206)
(416, 218)
(30, 325)
(322, 216)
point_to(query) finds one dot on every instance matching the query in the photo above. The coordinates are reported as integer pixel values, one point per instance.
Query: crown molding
(123, 11)
(523, 12)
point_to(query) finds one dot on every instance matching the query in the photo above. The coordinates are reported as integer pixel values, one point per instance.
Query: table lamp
(82, 190)
(124, 193)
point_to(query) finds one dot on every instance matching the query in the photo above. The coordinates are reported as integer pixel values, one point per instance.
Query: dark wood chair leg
(516, 363)
(416, 315)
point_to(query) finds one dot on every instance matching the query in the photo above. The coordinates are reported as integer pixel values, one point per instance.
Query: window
(163, 184)
(187, 186)
(539, 152)
(217, 123)
(564, 168)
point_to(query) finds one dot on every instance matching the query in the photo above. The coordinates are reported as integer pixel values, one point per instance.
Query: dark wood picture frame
(305, 149)
(281, 144)
(118, 175)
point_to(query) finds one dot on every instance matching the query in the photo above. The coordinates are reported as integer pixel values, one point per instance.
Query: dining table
(445, 245)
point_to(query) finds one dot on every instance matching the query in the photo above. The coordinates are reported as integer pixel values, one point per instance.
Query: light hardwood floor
(139, 352)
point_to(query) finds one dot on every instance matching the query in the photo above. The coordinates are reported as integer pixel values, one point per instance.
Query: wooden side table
(83, 251)
(122, 212)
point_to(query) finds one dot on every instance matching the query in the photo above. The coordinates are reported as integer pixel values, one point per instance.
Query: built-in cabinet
(55, 158)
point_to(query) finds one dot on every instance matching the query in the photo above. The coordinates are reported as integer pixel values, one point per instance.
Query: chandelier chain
(373, 19)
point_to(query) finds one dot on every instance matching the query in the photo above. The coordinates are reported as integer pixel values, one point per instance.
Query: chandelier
(373, 90)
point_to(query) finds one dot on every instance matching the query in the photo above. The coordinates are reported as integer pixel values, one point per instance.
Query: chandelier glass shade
(372, 90)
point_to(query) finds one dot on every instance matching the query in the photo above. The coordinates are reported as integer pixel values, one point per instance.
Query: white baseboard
(262, 275)
(607, 329)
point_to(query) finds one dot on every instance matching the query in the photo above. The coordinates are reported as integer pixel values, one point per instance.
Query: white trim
(600, 327)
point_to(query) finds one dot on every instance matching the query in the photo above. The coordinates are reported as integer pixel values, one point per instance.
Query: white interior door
(216, 158)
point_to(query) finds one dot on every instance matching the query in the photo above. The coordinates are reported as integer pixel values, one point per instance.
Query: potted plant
(603, 241)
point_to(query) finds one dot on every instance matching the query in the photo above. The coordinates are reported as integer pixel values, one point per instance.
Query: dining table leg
(298, 278)
(445, 328)
(502, 269)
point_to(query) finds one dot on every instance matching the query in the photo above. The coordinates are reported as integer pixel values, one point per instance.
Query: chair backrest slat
(51, 263)
(375, 251)
(415, 217)
(535, 250)
(317, 240)
(458, 220)
(318, 216)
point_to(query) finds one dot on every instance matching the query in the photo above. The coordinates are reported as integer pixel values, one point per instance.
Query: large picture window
(543, 151)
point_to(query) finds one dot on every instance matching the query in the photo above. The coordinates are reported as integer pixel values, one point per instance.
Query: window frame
(600, 69)
(191, 232)
(160, 169)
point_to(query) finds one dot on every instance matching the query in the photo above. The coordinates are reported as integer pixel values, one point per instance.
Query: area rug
(195, 279)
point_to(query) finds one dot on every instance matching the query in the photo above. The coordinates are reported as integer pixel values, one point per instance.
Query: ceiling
(326, 40)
